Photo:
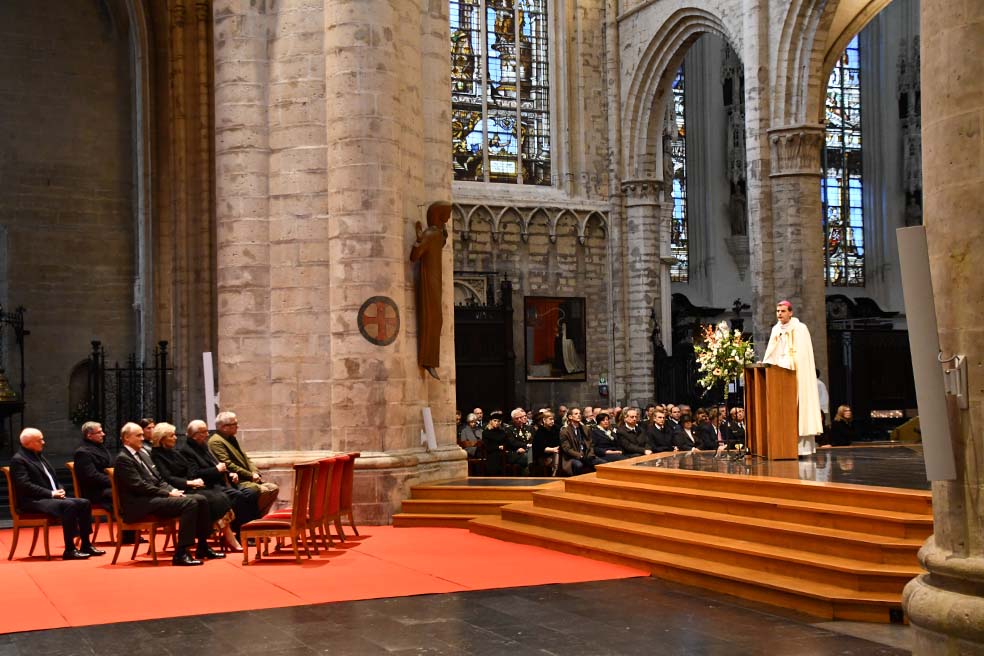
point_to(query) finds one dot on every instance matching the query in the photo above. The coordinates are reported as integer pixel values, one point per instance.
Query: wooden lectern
(771, 411)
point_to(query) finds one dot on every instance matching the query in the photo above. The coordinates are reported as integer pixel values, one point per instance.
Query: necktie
(44, 466)
(147, 465)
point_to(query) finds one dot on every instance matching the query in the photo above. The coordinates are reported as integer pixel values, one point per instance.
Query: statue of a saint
(428, 250)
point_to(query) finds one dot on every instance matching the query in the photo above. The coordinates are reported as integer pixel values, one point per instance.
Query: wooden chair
(98, 514)
(333, 507)
(318, 501)
(37, 521)
(149, 523)
(476, 465)
(348, 480)
(294, 527)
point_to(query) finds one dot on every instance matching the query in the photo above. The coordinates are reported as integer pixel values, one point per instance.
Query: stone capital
(796, 150)
(641, 191)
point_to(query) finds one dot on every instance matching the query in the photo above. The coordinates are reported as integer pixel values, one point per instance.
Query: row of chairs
(324, 486)
(322, 497)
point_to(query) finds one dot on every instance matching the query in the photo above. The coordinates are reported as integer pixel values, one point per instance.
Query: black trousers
(191, 510)
(75, 516)
(244, 504)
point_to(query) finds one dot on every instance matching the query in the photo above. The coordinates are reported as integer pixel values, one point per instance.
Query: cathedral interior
(223, 193)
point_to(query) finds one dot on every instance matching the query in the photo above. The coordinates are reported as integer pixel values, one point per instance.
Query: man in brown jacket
(225, 447)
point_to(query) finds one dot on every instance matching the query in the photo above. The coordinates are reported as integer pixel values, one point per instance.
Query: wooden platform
(450, 505)
(831, 550)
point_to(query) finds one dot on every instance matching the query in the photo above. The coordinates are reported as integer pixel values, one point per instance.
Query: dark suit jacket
(660, 439)
(27, 472)
(203, 462)
(91, 462)
(632, 442)
(172, 466)
(136, 486)
(684, 443)
(708, 436)
(737, 431)
(602, 442)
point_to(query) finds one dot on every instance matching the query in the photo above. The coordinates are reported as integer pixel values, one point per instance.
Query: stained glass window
(843, 217)
(500, 122)
(680, 271)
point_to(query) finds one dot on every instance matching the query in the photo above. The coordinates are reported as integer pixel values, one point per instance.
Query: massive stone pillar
(797, 230)
(642, 267)
(946, 606)
(330, 129)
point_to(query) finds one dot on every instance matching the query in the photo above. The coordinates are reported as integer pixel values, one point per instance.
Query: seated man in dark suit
(713, 435)
(630, 436)
(38, 492)
(245, 503)
(143, 492)
(660, 435)
(92, 458)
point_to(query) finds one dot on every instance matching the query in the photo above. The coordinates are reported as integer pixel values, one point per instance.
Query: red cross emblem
(379, 320)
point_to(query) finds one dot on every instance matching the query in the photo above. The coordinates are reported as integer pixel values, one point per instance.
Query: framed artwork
(555, 338)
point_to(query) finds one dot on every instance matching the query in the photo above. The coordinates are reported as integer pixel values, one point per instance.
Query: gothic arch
(813, 35)
(651, 82)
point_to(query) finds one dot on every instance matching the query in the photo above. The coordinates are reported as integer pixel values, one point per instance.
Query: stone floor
(631, 617)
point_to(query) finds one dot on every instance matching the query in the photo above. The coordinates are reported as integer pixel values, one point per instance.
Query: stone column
(643, 270)
(334, 156)
(797, 229)
(946, 606)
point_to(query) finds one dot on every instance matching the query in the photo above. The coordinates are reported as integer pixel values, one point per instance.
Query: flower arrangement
(723, 355)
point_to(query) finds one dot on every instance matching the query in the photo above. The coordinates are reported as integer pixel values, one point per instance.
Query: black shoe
(92, 551)
(207, 553)
(74, 554)
(184, 560)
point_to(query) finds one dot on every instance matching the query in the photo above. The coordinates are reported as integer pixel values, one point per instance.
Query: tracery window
(500, 121)
(679, 246)
(841, 185)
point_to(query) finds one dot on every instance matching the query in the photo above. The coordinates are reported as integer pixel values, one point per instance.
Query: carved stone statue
(428, 250)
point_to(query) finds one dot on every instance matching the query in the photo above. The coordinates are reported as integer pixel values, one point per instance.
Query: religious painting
(555, 338)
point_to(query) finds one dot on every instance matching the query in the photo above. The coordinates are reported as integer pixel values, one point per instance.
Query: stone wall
(67, 193)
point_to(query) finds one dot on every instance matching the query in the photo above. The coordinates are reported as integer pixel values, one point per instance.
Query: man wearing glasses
(225, 447)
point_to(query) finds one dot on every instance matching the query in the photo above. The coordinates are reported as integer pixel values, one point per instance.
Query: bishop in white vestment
(791, 347)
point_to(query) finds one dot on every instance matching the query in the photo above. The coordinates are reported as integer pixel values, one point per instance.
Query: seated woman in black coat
(842, 430)
(176, 470)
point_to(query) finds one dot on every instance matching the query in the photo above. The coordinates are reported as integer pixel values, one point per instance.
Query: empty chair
(320, 496)
(294, 526)
(348, 480)
(37, 521)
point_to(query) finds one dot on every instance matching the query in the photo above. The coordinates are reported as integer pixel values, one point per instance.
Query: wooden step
(918, 502)
(815, 598)
(453, 506)
(433, 520)
(815, 567)
(849, 544)
(873, 521)
(477, 492)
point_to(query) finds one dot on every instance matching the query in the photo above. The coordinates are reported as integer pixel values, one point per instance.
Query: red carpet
(384, 562)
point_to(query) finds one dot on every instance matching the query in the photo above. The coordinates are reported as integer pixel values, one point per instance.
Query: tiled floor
(631, 617)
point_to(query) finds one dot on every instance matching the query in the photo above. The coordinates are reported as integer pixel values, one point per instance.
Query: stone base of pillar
(382, 480)
(946, 606)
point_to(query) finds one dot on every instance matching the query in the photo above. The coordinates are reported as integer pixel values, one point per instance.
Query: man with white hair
(225, 446)
(39, 492)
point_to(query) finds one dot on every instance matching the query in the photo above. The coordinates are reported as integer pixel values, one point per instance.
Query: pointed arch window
(500, 119)
(841, 184)
(679, 245)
